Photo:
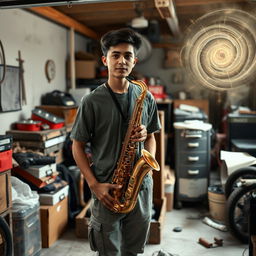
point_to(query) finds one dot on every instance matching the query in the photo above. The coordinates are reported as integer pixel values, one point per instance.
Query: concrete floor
(184, 243)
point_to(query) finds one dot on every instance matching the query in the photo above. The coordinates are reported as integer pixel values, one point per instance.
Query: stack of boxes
(54, 215)
(5, 173)
(53, 194)
(24, 222)
(48, 142)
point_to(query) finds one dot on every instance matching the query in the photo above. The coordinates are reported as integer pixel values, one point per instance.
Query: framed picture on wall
(10, 99)
(172, 58)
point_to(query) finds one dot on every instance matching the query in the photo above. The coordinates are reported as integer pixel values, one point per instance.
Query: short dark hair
(115, 37)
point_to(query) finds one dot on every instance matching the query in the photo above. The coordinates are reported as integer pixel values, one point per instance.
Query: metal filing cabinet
(192, 164)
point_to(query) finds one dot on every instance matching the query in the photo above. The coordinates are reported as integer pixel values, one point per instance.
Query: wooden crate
(169, 182)
(158, 177)
(82, 221)
(156, 227)
(159, 199)
(39, 140)
(36, 135)
(5, 191)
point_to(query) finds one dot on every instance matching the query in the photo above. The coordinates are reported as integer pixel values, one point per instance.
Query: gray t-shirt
(99, 122)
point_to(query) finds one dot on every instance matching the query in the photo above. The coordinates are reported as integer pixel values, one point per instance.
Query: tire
(245, 173)
(6, 236)
(238, 207)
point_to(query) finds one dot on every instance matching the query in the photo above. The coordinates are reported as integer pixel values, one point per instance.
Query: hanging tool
(4, 63)
(23, 90)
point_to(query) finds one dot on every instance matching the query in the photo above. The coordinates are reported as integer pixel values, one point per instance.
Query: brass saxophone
(125, 174)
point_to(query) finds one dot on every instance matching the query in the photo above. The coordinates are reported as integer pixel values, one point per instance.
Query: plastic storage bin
(26, 231)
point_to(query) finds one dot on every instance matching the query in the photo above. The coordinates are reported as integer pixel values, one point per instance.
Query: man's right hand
(101, 191)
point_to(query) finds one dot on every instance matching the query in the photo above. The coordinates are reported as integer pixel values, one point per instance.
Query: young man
(102, 120)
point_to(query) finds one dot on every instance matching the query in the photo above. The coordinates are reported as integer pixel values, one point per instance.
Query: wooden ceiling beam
(167, 11)
(93, 16)
(62, 19)
(115, 15)
(100, 7)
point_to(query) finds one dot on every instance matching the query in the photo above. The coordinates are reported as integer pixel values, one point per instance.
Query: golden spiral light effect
(220, 49)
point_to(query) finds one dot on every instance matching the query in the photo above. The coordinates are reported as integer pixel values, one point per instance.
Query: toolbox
(54, 197)
(65, 112)
(5, 142)
(41, 171)
(53, 121)
(30, 179)
(5, 160)
(26, 230)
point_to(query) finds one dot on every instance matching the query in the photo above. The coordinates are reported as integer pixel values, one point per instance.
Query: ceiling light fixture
(140, 21)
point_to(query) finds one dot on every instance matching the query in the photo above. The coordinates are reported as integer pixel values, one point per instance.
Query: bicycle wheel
(233, 179)
(5, 238)
(238, 207)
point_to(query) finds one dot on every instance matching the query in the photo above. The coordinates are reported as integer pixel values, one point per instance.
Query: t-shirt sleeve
(82, 129)
(153, 118)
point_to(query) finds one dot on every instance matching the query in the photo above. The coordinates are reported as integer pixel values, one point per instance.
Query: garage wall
(38, 40)
(154, 66)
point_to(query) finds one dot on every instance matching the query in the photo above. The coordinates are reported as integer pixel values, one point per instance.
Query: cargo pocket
(94, 238)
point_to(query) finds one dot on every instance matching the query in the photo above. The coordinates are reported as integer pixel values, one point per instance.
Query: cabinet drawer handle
(193, 136)
(193, 145)
(193, 158)
(193, 172)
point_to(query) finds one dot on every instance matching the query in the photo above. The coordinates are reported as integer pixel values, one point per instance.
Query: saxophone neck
(143, 87)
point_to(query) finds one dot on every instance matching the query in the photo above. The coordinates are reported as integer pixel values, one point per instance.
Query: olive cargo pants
(115, 234)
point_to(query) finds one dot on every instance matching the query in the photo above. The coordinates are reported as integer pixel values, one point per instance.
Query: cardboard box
(82, 221)
(85, 69)
(156, 226)
(172, 58)
(5, 191)
(159, 200)
(54, 219)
